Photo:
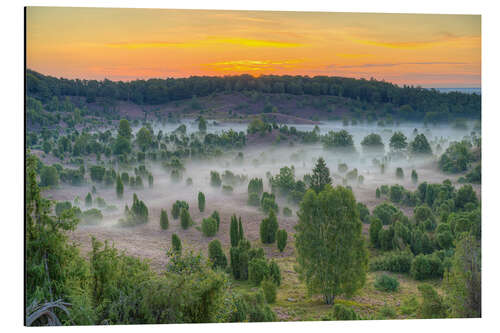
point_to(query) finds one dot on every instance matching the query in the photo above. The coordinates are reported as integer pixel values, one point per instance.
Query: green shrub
(268, 203)
(215, 179)
(186, 220)
(176, 208)
(163, 219)
(281, 239)
(387, 312)
(61, 206)
(432, 305)
(414, 176)
(364, 213)
(342, 312)
(201, 201)
(384, 212)
(386, 283)
(216, 254)
(258, 270)
(137, 214)
(88, 200)
(375, 227)
(275, 272)
(426, 267)
(396, 262)
(176, 243)
(396, 193)
(270, 290)
(268, 228)
(216, 216)
(399, 173)
(209, 227)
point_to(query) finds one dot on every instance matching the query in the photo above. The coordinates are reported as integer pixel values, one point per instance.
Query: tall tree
(320, 176)
(124, 129)
(463, 280)
(119, 187)
(331, 252)
(233, 231)
(201, 201)
(144, 138)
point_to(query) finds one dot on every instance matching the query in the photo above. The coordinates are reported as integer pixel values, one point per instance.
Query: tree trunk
(329, 299)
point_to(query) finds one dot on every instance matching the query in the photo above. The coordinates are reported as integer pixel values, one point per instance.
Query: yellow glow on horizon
(127, 44)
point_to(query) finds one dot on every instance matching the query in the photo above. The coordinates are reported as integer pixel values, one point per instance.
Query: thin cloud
(209, 41)
(396, 64)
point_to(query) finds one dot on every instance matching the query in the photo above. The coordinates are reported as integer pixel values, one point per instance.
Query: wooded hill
(407, 102)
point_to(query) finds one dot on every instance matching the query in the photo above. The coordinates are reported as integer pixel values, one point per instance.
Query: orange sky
(126, 44)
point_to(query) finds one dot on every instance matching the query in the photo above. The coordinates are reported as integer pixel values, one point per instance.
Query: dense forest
(388, 99)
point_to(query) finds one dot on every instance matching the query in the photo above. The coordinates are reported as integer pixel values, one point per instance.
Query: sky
(127, 44)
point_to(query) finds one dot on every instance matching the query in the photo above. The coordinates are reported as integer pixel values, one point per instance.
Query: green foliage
(465, 195)
(119, 187)
(164, 219)
(327, 265)
(396, 262)
(270, 290)
(49, 176)
(372, 143)
(54, 268)
(239, 260)
(62, 206)
(275, 273)
(320, 176)
(396, 193)
(88, 200)
(186, 221)
(234, 231)
(201, 201)
(414, 176)
(176, 243)
(258, 270)
(282, 237)
(144, 138)
(268, 203)
(97, 173)
(215, 179)
(137, 214)
(208, 226)
(457, 157)
(339, 141)
(342, 312)
(384, 212)
(399, 173)
(432, 305)
(268, 228)
(216, 216)
(386, 283)
(256, 186)
(375, 227)
(124, 129)
(216, 255)
(426, 267)
(420, 145)
(177, 207)
(463, 280)
(398, 141)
